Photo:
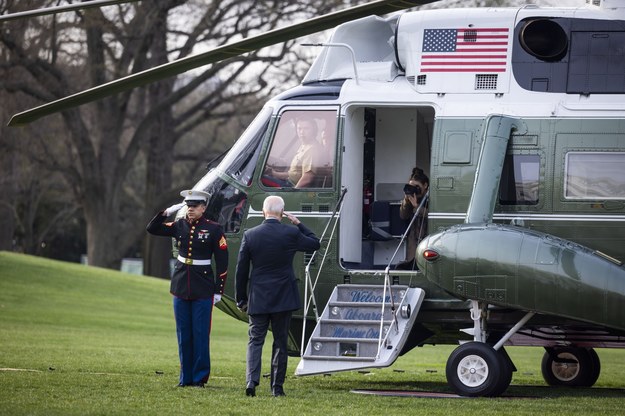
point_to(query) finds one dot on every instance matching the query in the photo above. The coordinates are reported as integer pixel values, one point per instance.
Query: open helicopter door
(382, 144)
(366, 325)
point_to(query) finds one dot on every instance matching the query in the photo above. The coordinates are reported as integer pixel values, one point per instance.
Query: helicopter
(516, 115)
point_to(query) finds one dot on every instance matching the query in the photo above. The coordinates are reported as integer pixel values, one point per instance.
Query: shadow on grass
(442, 389)
(558, 392)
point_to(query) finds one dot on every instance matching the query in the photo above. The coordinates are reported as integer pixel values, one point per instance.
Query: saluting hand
(291, 218)
(173, 209)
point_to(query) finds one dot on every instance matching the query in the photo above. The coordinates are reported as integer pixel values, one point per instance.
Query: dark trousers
(193, 321)
(259, 324)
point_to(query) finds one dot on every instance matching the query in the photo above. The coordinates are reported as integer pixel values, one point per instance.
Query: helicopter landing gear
(570, 366)
(476, 368)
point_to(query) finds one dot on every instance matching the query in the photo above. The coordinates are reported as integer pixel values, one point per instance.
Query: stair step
(330, 339)
(344, 347)
(357, 311)
(333, 328)
(333, 358)
(368, 293)
(355, 321)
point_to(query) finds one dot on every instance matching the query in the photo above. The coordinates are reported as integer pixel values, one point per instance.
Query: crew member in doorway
(193, 285)
(414, 191)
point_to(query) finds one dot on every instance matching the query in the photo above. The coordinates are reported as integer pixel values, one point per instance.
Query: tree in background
(116, 159)
(38, 215)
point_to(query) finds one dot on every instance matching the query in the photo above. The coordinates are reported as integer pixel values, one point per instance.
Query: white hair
(274, 205)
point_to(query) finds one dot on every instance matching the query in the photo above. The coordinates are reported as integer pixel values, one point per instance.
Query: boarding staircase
(362, 326)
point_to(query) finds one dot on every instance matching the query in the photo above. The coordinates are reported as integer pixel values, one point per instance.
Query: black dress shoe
(200, 385)
(278, 392)
(250, 390)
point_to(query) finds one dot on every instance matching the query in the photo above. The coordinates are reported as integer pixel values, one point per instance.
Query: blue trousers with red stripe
(193, 323)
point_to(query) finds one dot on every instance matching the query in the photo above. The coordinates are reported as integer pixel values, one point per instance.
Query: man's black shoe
(278, 392)
(250, 390)
(200, 385)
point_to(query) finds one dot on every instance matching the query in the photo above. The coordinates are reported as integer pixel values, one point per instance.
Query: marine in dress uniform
(269, 292)
(193, 285)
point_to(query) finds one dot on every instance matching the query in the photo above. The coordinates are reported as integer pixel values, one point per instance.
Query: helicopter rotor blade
(179, 66)
(61, 9)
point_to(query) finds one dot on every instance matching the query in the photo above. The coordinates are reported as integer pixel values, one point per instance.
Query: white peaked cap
(195, 195)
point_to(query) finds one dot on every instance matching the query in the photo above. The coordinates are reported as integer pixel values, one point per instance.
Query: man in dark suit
(269, 294)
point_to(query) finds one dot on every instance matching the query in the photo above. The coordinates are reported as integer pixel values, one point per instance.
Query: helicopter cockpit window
(594, 175)
(519, 180)
(226, 204)
(303, 149)
(240, 161)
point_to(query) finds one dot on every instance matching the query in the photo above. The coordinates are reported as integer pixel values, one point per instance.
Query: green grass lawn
(78, 340)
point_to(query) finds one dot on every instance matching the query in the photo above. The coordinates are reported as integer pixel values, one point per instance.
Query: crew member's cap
(194, 197)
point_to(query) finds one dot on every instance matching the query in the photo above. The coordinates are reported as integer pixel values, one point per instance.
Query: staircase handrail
(381, 334)
(383, 338)
(336, 214)
(387, 280)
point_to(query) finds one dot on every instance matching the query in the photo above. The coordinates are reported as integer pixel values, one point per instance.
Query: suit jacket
(269, 248)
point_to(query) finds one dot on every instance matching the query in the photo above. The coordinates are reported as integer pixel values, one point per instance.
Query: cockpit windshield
(227, 200)
(240, 161)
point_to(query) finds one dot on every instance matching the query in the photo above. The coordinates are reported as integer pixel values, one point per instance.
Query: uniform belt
(194, 262)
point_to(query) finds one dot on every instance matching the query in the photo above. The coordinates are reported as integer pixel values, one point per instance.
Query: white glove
(173, 209)
(216, 298)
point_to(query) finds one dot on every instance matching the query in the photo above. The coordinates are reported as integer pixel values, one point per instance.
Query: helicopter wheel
(475, 369)
(596, 367)
(570, 366)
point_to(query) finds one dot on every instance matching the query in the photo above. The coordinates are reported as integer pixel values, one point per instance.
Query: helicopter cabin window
(302, 152)
(520, 180)
(594, 175)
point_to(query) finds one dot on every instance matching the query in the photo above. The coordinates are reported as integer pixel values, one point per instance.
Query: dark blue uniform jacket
(198, 240)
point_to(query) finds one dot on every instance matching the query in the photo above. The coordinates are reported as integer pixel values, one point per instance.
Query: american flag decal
(465, 50)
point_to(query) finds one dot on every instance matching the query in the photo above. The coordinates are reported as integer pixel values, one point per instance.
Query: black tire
(570, 366)
(475, 369)
(507, 368)
(596, 368)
